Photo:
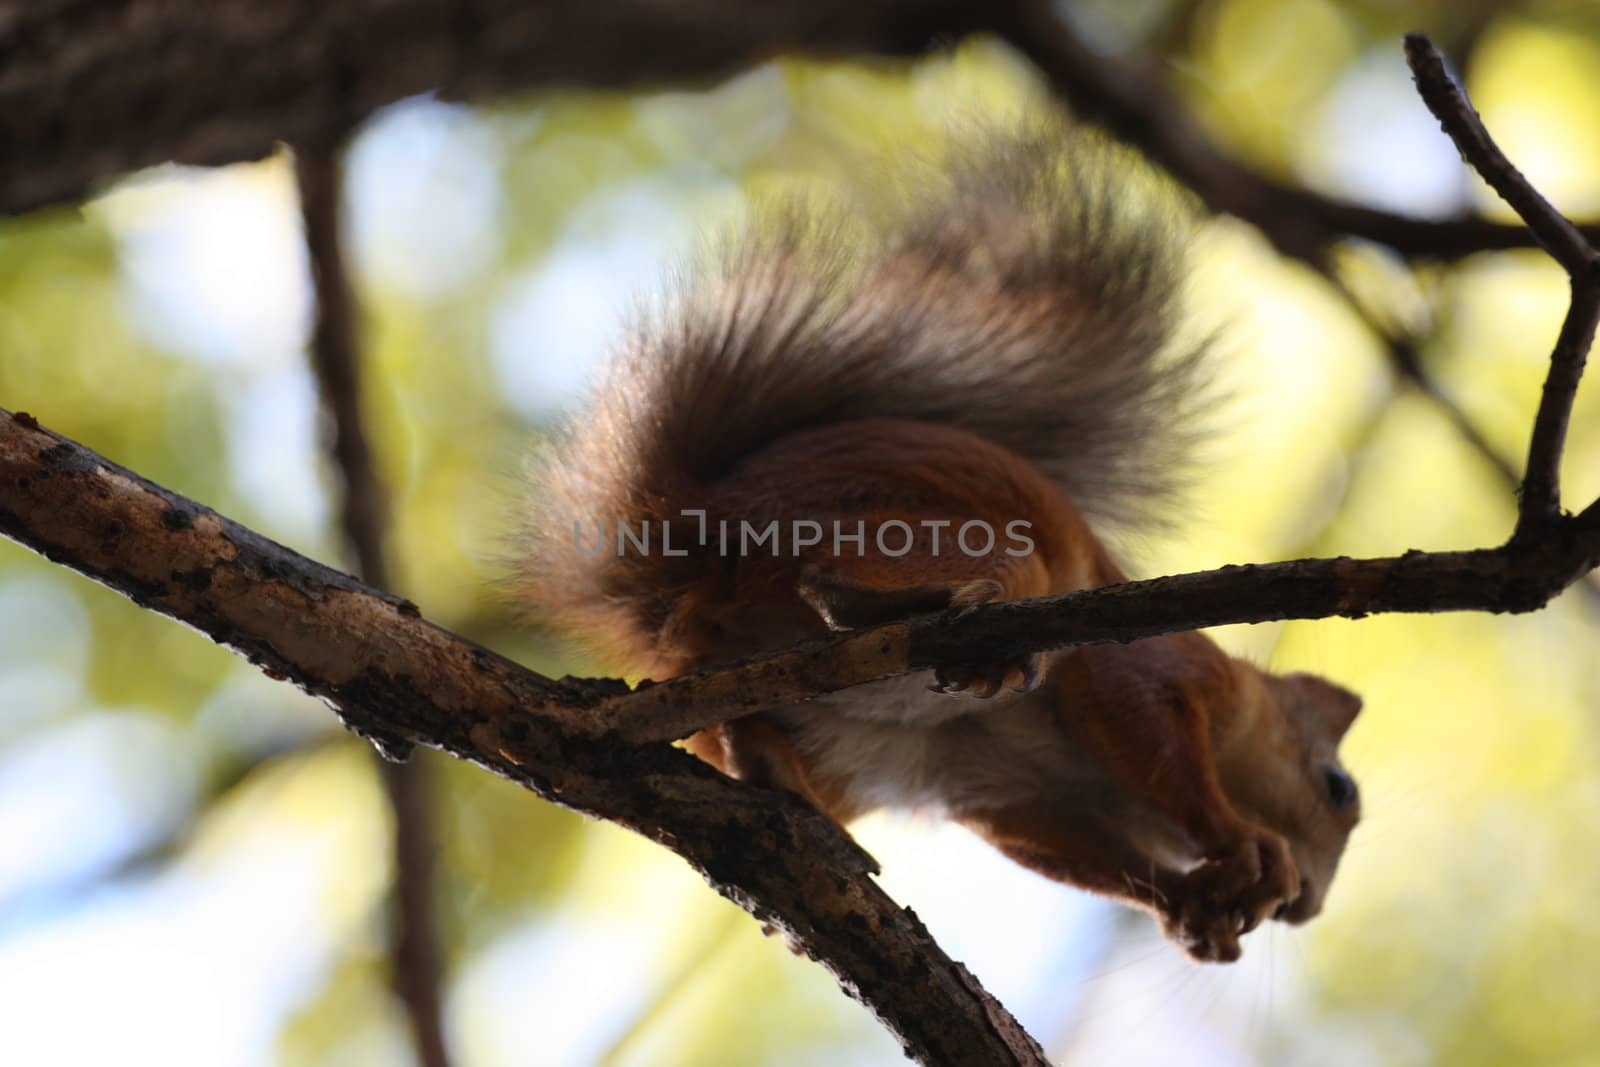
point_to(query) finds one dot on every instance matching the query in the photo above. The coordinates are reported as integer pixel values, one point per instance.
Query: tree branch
(336, 364)
(1448, 101)
(1134, 103)
(1403, 359)
(1517, 578)
(1541, 486)
(92, 91)
(414, 937)
(394, 676)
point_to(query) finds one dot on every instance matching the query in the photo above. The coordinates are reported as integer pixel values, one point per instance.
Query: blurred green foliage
(168, 338)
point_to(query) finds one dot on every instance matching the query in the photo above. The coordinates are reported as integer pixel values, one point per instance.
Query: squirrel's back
(1028, 296)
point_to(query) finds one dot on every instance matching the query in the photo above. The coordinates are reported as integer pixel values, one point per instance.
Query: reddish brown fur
(1004, 352)
(1205, 803)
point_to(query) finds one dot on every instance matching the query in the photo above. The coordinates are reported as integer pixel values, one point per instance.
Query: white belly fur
(901, 746)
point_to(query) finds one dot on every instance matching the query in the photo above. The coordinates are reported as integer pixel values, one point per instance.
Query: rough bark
(92, 89)
(395, 677)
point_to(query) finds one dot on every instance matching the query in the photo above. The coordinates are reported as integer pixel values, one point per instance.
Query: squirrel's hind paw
(985, 680)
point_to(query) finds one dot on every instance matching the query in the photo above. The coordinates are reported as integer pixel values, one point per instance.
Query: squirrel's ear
(1333, 707)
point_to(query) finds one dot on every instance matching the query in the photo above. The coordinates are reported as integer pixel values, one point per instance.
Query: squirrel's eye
(1341, 787)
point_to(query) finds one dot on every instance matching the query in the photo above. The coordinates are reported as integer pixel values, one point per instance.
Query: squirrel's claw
(987, 680)
(1229, 895)
(1031, 674)
(972, 596)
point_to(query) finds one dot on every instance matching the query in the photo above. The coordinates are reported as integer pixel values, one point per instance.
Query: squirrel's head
(1287, 776)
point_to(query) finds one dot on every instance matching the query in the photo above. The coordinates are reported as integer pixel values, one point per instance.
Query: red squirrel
(820, 430)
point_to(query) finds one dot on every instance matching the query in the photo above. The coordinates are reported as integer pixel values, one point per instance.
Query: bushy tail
(1029, 297)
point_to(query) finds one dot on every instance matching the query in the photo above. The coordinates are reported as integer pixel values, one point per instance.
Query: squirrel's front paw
(1229, 894)
(984, 680)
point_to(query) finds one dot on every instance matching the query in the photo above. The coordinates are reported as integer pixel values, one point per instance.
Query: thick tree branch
(93, 91)
(414, 953)
(89, 91)
(393, 676)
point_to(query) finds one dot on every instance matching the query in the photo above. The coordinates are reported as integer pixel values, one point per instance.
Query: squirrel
(825, 430)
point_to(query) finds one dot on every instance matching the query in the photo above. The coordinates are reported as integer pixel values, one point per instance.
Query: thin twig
(1505, 579)
(1408, 367)
(415, 955)
(1134, 103)
(1448, 101)
(1541, 486)
(335, 362)
(1516, 577)
(1404, 361)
